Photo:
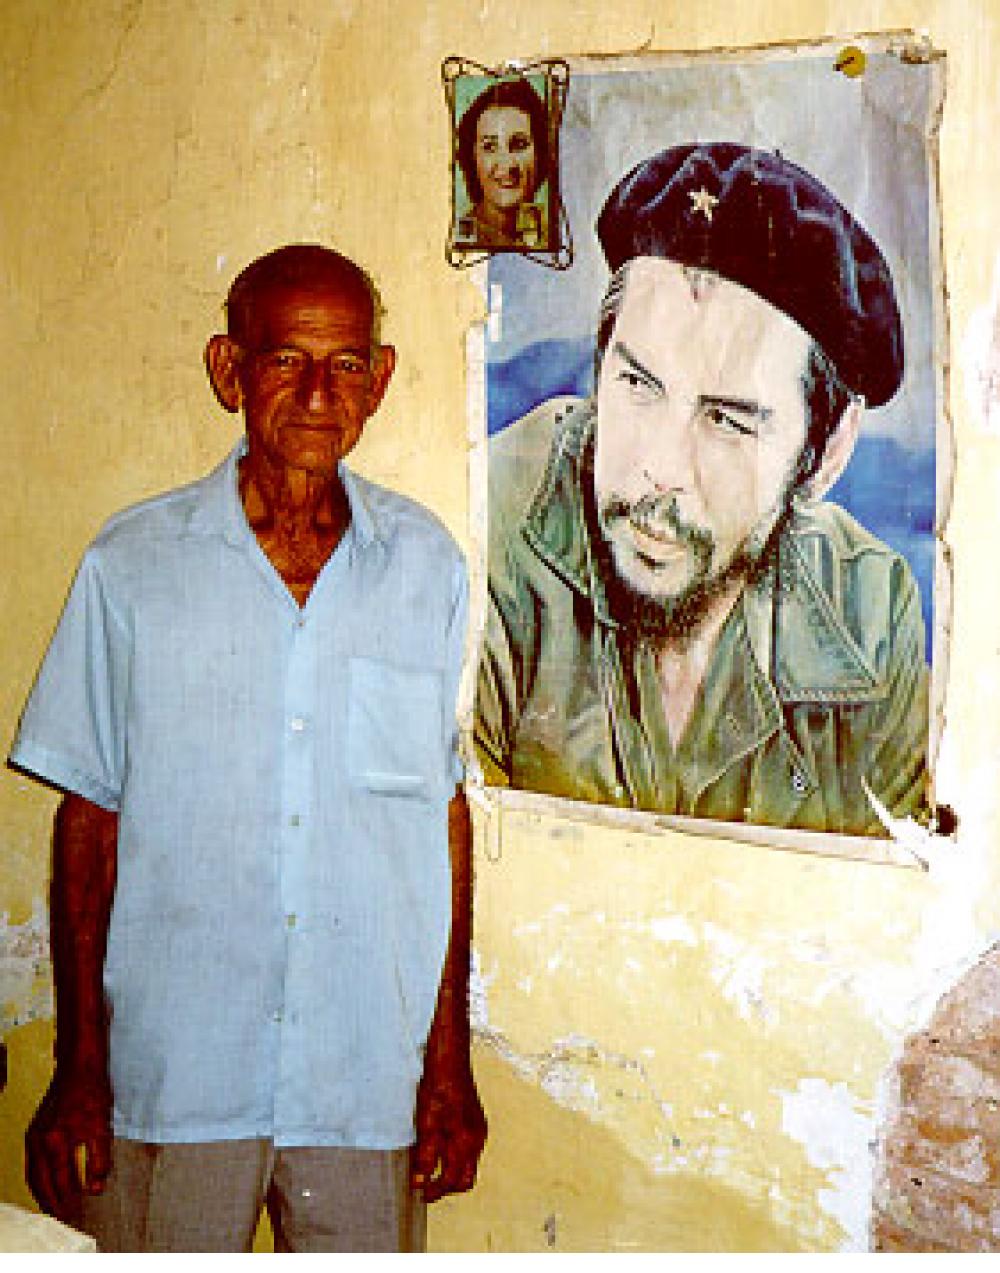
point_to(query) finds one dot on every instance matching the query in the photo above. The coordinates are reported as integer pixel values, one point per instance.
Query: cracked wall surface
(695, 1008)
(682, 1044)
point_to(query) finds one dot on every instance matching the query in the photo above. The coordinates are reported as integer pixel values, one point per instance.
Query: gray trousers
(209, 1197)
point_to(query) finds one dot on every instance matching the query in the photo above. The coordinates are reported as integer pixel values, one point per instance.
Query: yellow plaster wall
(680, 1042)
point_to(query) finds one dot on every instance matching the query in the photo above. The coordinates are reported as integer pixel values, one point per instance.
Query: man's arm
(76, 1110)
(451, 1126)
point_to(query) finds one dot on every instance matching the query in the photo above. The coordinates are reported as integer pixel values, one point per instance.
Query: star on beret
(776, 230)
(703, 201)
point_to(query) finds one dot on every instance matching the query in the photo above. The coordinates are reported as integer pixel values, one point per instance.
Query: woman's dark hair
(516, 93)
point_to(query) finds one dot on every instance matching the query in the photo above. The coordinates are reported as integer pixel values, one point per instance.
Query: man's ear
(384, 366)
(839, 449)
(222, 362)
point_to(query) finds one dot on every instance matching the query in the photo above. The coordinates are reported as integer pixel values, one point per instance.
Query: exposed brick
(937, 1180)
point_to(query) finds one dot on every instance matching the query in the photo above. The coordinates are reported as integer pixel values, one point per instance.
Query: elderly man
(677, 620)
(249, 700)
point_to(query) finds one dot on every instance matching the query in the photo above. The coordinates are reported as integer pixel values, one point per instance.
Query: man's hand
(68, 1143)
(451, 1130)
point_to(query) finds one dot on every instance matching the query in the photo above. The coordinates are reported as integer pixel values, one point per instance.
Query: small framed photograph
(505, 161)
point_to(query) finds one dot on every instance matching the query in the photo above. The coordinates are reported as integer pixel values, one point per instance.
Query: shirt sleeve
(455, 655)
(71, 732)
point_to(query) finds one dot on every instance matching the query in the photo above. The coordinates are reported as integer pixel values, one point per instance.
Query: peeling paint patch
(739, 974)
(25, 983)
(479, 986)
(981, 360)
(560, 1081)
(825, 1119)
(710, 1158)
(532, 926)
(557, 1072)
(673, 928)
(569, 1071)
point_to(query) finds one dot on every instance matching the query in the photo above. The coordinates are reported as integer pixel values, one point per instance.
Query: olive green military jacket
(818, 679)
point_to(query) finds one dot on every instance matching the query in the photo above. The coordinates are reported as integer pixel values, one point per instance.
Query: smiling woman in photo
(503, 154)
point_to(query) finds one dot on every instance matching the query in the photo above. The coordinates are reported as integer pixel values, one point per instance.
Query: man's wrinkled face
(700, 422)
(310, 374)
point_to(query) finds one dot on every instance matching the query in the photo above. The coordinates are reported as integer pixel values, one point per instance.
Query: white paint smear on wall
(738, 970)
(25, 984)
(673, 928)
(835, 1133)
(981, 360)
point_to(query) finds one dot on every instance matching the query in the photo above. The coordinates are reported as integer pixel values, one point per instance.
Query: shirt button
(277, 1017)
(799, 783)
(295, 820)
(298, 724)
(290, 920)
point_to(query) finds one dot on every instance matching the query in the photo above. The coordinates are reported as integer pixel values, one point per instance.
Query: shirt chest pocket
(395, 733)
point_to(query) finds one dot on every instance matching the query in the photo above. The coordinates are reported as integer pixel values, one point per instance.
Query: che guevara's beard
(669, 618)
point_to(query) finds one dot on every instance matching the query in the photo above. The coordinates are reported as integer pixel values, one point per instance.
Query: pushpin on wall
(851, 62)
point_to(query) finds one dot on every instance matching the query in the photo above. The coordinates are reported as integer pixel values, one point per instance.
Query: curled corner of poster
(916, 47)
(928, 850)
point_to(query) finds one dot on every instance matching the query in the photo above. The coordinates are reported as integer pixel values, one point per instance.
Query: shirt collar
(366, 525)
(220, 510)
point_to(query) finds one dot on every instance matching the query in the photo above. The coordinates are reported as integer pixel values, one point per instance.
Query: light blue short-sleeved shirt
(282, 778)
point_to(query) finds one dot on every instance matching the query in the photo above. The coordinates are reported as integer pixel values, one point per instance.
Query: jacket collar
(800, 645)
(556, 523)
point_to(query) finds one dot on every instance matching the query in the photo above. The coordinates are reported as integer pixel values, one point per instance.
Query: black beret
(753, 217)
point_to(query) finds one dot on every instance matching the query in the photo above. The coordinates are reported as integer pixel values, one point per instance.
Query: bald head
(301, 266)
